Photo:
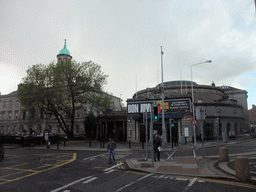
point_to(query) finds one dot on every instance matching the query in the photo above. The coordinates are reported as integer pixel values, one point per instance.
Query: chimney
(213, 84)
(253, 105)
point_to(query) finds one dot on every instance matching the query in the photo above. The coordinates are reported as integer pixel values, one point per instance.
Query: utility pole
(162, 90)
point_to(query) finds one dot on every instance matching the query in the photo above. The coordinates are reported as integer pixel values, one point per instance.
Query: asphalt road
(26, 170)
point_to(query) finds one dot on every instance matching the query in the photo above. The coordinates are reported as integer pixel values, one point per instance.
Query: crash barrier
(223, 152)
(242, 168)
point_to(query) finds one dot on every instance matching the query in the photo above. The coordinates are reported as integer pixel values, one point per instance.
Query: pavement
(207, 167)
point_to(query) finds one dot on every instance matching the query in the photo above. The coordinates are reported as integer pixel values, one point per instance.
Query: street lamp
(193, 110)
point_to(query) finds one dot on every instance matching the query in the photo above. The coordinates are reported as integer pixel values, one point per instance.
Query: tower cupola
(64, 53)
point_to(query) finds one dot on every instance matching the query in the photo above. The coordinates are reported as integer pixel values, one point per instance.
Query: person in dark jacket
(111, 148)
(157, 142)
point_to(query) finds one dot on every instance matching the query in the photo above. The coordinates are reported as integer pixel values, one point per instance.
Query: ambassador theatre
(218, 111)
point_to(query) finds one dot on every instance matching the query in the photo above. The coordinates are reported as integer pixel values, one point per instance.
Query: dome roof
(64, 51)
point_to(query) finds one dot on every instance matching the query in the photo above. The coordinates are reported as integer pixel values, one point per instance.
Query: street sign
(194, 121)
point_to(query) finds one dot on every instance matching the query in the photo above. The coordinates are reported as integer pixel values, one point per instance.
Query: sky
(125, 37)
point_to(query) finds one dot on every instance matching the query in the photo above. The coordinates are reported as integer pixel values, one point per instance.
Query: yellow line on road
(37, 172)
(234, 183)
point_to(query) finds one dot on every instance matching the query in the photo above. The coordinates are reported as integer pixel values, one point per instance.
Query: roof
(64, 51)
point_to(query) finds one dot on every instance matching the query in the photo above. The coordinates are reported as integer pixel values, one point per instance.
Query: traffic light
(172, 122)
(141, 117)
(156, 116)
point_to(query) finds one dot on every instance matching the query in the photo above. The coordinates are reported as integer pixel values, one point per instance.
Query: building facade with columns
(219, 111)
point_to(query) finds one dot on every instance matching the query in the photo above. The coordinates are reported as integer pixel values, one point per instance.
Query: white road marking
(134, 182)
(66, 191)
(95, 156)
(113, 167)
(190, 184)
(72, 183)
(171, 154)
(109, 171)
(90, 180)
(92, 159)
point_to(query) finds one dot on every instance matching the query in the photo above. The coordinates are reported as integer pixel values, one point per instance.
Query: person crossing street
(111, 148)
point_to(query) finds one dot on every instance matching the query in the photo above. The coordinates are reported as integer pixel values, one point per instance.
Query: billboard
(171, 105)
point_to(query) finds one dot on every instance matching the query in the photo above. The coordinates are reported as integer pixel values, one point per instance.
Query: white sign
(186, 132)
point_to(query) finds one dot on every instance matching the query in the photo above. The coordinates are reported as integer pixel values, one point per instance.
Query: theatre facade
(219, 111)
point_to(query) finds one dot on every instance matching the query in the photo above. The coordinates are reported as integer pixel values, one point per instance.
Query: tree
(90, 124)
(63, 89)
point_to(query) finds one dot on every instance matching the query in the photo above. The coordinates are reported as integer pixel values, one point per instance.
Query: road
(27, 170)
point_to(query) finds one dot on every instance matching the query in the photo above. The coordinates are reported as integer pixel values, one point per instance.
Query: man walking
(157, 146)
(111, 148)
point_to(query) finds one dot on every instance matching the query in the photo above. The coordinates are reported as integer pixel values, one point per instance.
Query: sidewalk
(209, 166)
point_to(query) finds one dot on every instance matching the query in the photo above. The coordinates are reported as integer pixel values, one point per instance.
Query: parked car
(1, 151)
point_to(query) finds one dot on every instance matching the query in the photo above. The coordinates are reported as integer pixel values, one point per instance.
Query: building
(13, 117)
(252, 115)
(219, 111)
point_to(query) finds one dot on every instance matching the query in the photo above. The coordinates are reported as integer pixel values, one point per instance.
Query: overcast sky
(125, 36)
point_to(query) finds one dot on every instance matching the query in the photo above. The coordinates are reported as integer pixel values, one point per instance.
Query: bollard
(129, 144)
(223, 152)
(242, 168)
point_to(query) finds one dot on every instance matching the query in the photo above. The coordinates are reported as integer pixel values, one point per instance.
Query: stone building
(221, 110)
(12, 115)
(252, 115)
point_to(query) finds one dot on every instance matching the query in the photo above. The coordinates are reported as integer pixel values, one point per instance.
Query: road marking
(58, 163)
(72, 183)
(171, 155)
(90, 180)
(134, 182)
(109, 171)
(190, 184)
(95, 156)
(113, 167)
(194, 152)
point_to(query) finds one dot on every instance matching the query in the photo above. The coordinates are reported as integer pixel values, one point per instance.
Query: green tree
(61, 90)
(90, 124)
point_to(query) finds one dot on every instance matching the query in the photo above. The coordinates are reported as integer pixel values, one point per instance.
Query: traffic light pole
(171, 143)
(152, 138)
(146, 134)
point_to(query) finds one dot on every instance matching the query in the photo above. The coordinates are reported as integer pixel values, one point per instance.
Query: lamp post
(193, 107)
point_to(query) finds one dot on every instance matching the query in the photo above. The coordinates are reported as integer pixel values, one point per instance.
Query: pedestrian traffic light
(141, 117)
(156, 115)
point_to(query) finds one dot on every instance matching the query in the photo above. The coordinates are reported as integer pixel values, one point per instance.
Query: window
(219, 111)
(4, 104)
(77, 129)
(9, 115)
(234, 111)
(16, 114)
(10, 103)
(3, 115)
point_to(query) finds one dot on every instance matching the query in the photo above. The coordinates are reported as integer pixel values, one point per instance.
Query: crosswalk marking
(109, 171)
(90, 180)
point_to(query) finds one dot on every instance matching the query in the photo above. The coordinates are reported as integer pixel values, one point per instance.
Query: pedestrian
(111, 148)
(157, 142)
